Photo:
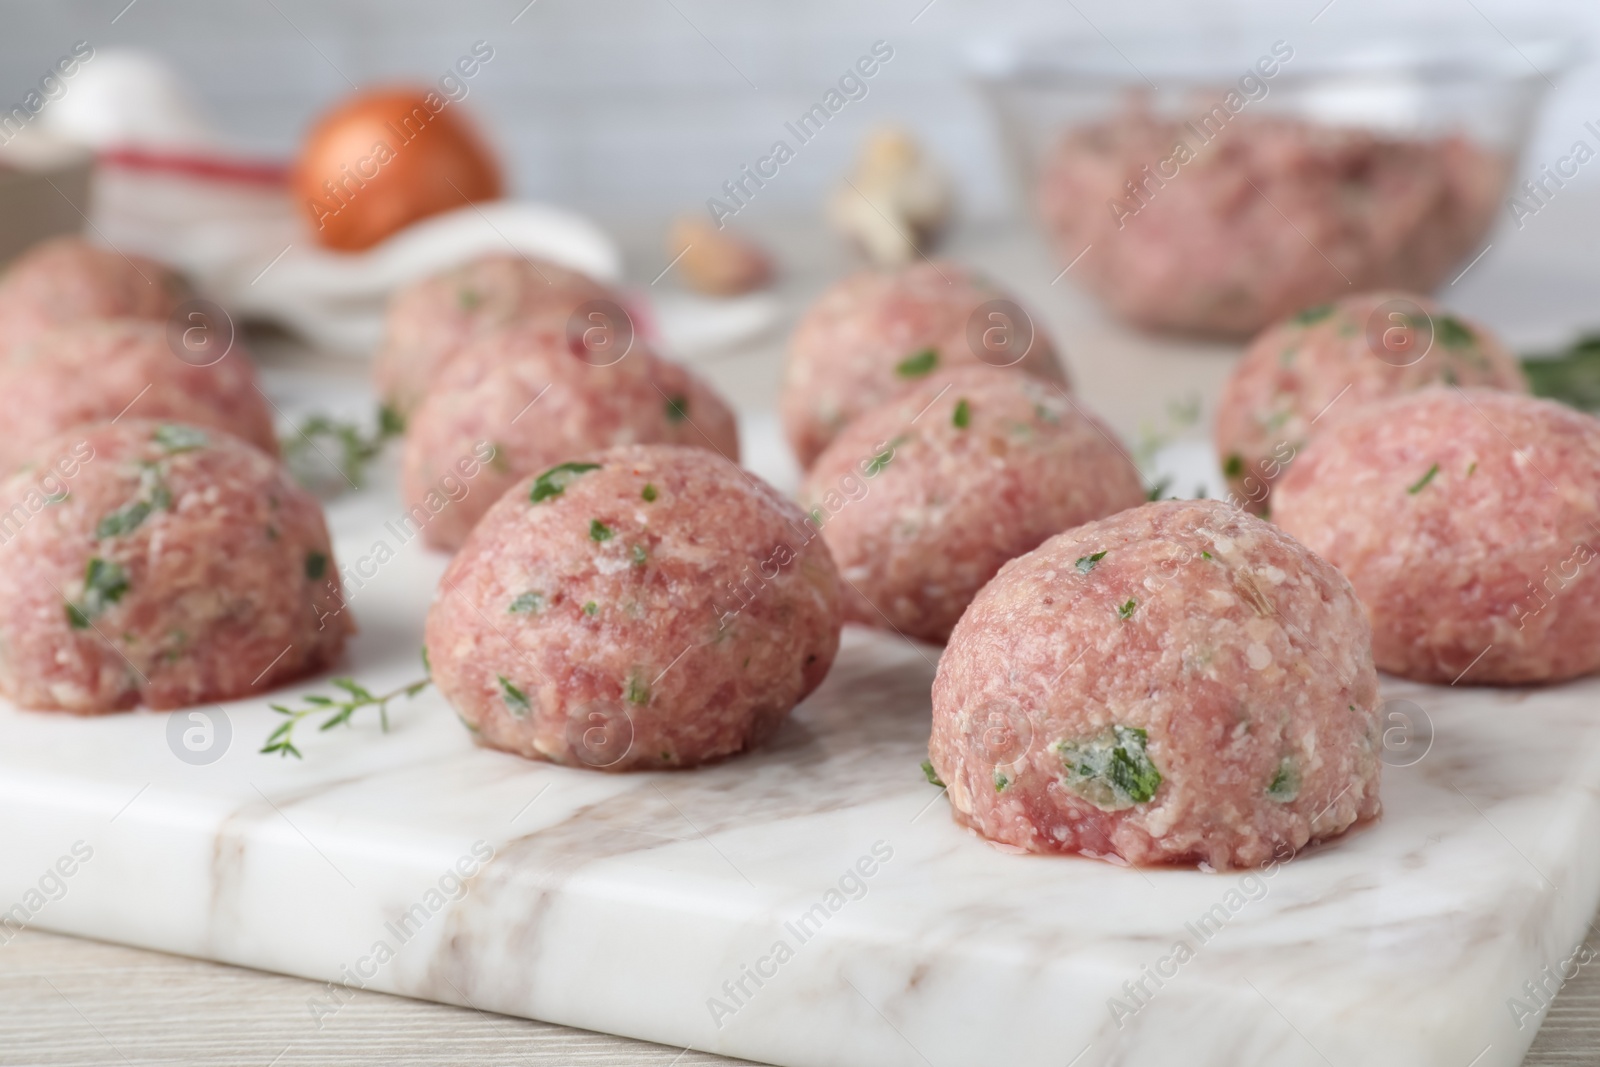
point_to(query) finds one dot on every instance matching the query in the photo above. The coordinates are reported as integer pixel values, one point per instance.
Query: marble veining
(653, 905)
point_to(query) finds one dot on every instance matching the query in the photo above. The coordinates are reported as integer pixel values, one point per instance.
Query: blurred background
(644, 107)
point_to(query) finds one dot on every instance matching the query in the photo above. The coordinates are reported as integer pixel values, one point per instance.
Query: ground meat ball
(646, 606)
(1229, 232)
(922, 499)
(163, 564)
(877, 332)
(1306, 373)
(430, 320)
(97, 371)
(1177, 683)
(1468, 522)
(67, 280)
(520, 401)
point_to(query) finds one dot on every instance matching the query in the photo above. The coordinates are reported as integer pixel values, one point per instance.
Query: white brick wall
(622, 106)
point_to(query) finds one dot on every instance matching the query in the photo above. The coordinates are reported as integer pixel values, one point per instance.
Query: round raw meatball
(1467, 520)
(922, 499)
(1178, 683)
(163, 564)
(66, 280)
(520, 400)
(430, 320)
(98, 371)
(645, 606)
(877, 332)
(1310, 371)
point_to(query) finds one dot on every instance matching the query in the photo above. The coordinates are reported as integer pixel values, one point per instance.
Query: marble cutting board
(812, 903)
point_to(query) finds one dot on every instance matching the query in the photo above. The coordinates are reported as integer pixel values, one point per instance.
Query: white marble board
(624, 903)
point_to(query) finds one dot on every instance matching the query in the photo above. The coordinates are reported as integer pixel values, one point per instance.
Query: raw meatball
(645, 606)
(1467, 520)
(67, 280)
(1178, 683)
(163, 564)
(877, 332)
(520, 400)
(921, 500)
(1183, 229)
(430, 320)
(97, 371)
(1306, 373)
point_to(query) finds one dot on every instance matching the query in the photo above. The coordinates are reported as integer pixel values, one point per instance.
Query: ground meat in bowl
(1178, 683)
(643, 607)
(163, 564)
(1193, 229)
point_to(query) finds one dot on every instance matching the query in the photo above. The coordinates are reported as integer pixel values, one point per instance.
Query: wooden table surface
(65, 1001)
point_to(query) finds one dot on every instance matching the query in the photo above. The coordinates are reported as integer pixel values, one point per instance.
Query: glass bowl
(1212, 185)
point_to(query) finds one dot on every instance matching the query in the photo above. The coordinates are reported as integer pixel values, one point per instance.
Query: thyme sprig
(339, 712)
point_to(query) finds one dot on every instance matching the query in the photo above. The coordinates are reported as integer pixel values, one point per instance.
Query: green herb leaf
(1110, 769)
(1155, 491)
(330, 455)
(1285, 784)
(515, 698)
(1204, 554)
(599, 531)
(883, 458)
(918, 365)
(1424, 480)
(553, 482)
(1125, 611)
(124, 520)
(104, 583)
(316, 565)
(677, 408)
(339, 712)
(1233, 466)
(591, 609)
(1312, 315)
(1085, 564)
(529, 603)
(639, 555)
(468, 299)
(1000, 781)
(174, 438)
(648, 494)
(962, 417)
(1571, 376)
(928, 773)
(1453, 333)
(638, 691)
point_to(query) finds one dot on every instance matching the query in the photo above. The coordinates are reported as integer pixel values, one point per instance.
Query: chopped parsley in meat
(316, 565)
(1085, 564)
(648, 494)
(1423, 481)
(1110, 769)
(928, 773)
(599, 531)
(176, 438)
(1125, 611)
(104, 583)
(1452, 332)
(1285, 784)
(1312, 315)
(919, 364)
(677, 408)
(515, 698)
(962, 417)
(1233, 466)
(554, 482)
(528, 603)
